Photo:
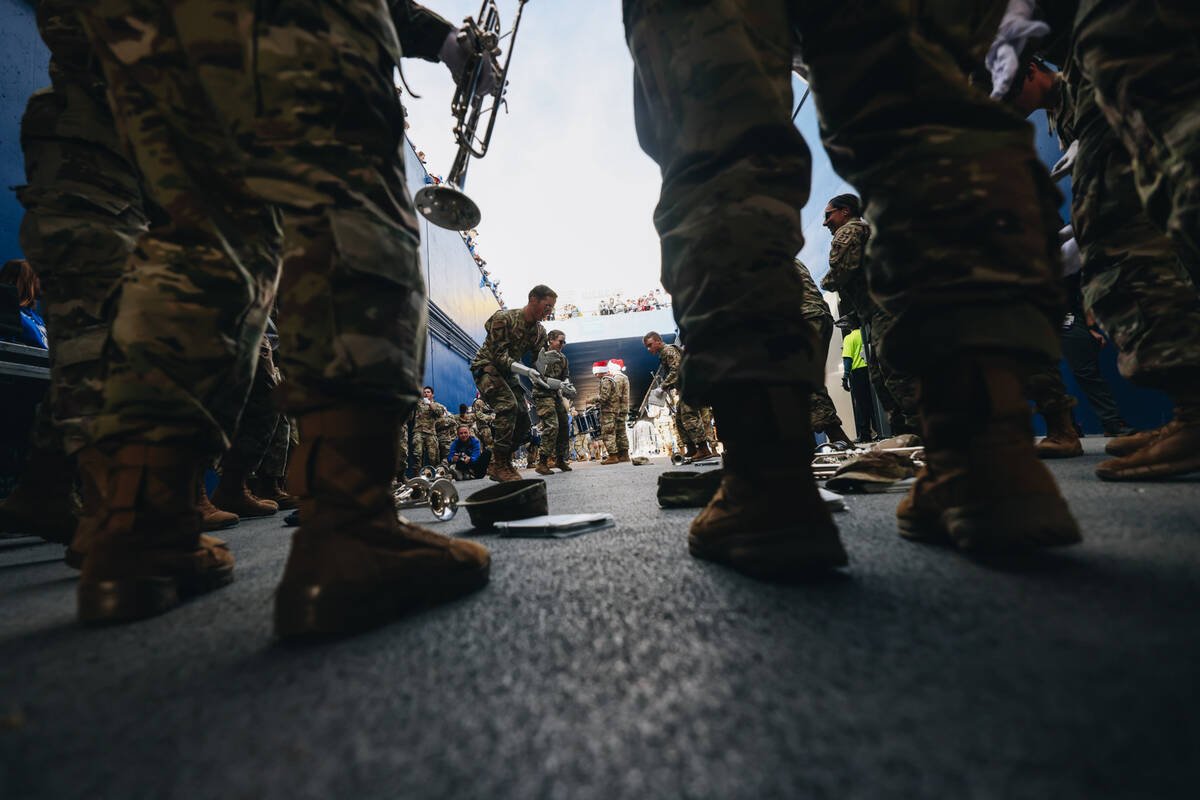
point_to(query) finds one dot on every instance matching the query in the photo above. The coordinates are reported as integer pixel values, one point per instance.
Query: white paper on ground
(832, 499)
(556, 526)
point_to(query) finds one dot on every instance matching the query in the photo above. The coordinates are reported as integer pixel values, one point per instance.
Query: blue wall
(23, 63)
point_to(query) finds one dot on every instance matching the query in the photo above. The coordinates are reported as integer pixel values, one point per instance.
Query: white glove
(518, 368)
(1072, 260)
(458, 53)
(1004, 57)
(1063, 165)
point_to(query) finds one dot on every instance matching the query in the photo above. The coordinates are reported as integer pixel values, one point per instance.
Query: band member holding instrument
(687, 419)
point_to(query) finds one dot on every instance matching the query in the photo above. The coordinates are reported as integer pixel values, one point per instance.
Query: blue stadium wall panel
(23, 63)
(446, 371)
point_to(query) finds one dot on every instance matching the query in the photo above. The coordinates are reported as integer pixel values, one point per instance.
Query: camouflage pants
(275, 460)
(688, 424)
(821, 413)
(898, 391)
(425, 449)
(1132, 280)
(510, 428)
(402, 451)
(483, 431)
(556, 437)
(710, 426)
(1047, 390)
(229, 126)
(84, 211)
(443, 449)
(1142, 58)
(259, 418)
(612, 428)
(713, 105)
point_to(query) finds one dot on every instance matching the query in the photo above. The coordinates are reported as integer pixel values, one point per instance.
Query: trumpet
(439, 495)
(445, 204)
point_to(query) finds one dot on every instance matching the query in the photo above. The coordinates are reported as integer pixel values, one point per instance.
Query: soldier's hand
(1004, 57)
(846, 382)
(554, 383)
(1063, 165)
(461, 52)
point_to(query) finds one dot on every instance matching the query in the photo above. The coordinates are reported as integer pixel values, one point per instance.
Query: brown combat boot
(145, 552)
(43, 503)
(1128, 445)
(213, 518)
(611, 459)
(268, 488)
(233, 495)
(92, 465)
(701, 453)
(623, 455)
(1061, 440)
(354, 564)
(1174, 450)
(563, 463)
(501, 468)
(744, 525)
(543, 467)
(983, 487)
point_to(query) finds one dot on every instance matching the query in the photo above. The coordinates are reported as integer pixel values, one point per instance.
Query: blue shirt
(471, 447)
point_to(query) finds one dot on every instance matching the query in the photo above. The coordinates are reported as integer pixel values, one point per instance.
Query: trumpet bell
(677, 459)
(443, 499)
(447, 207)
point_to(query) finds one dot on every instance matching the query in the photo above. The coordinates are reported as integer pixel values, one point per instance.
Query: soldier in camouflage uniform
(688, 424)
(612, 426)
(428, 414)
(556, 425)
(847, 276)
(623, 411)
(402, 437)
(447, 429)
(465, 416)
(1131, 203)
(710, 427)
(252, 125)
(484, 416)
(822, 415)
(254, 431)
(713, 106)
(84, 210)
(511, 334)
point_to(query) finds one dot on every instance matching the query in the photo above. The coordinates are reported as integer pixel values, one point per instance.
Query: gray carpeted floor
(614, 665)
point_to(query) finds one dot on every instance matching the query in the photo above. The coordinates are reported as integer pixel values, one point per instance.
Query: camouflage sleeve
(499, 335)
(606, 390)
(670, 364)
(845, 256)
(420, 30)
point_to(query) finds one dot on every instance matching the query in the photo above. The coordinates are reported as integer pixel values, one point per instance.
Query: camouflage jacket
(466, 418)
(609, 397)
(552, 364)
(509, 337)
(445, 426)
(846, 275)
(428, 415)
(623, 389)
(813, 306)
(483, 414)
(669, 358)
(401, 27)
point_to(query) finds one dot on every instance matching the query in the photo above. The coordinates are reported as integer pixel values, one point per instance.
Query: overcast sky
(566, 193)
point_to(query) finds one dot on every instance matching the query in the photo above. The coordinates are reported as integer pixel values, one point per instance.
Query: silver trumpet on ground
(439, 495)
(445, 204)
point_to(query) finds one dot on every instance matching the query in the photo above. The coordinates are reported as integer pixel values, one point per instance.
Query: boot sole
(774, 555)
(223, 526)
(108, 602)
(1038, 522)
(1145, 471)
(322, 611)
